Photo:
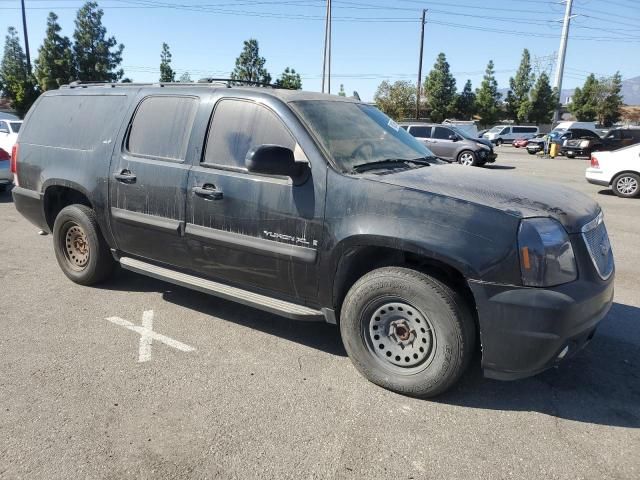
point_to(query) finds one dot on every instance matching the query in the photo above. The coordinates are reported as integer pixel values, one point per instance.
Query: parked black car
(614, 139)
(318, 208)
(559, 137)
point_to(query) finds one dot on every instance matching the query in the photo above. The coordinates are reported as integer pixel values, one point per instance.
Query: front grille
(597, 240)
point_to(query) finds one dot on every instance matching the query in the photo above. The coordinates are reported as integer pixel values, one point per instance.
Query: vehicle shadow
(600, 385)
(318, 335)
(499, 167)
(607, 192)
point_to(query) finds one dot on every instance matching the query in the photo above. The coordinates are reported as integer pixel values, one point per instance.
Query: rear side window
(77, 122)
(161, 127)
(238, 126)
(420, 132)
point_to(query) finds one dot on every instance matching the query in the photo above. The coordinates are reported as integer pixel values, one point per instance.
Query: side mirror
(453, 138)
(274, 160)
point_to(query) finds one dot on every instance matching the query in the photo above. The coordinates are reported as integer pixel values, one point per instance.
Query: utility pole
(424, 14)
(26, 37)
(563, 51)
(326, 57)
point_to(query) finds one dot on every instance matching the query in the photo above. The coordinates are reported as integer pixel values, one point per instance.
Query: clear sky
(373, 40)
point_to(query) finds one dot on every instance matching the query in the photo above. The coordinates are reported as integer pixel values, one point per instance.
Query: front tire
(81, 251)
(626, 185)
(407, 332)
(499, 142)
(468, 158)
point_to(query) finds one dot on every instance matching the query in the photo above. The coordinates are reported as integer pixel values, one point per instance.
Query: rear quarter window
(78, 122)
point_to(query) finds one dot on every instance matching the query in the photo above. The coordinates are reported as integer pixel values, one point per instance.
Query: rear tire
(407, 331)
(81, 251)
(626, 185)
(531, 152)
(571, 156)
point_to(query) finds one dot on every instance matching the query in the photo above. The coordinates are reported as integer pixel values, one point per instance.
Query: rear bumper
(597, 177)
(6, 177)
(29, 204)
(527, 330)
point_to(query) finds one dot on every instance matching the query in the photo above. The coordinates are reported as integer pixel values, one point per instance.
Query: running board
(261, 302)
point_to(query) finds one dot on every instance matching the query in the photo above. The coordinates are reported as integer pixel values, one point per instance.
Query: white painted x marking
(147, 335)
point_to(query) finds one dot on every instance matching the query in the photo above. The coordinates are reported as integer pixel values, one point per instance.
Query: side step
(261, 302)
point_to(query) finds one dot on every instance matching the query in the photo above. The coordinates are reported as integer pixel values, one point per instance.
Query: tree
(584, 104)
(54, 65)
(488, 98)
(397, 100)
(609, 100)
(16, 81)
(185, 78)
(342, 93)
(465, 104)
(543, 101)
(518, 97)
(97, 56)
(250, 65)
(440, 90)
(166, 72)
(289, 79)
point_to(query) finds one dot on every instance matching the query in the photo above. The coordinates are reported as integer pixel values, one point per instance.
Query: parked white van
(508, 133)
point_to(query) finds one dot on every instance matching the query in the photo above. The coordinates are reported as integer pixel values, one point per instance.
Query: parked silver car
(452, 144)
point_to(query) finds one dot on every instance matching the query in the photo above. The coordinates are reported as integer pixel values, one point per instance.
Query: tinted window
(420, 132)
(77, 122)
(442, 133)
(15, 126)
(505, 131)
(161, 127)
(524, 129)
(4, 126)
(237, 127)
(585, 133)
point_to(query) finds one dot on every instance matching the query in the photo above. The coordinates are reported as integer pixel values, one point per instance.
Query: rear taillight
(14, 159)
(594, 162)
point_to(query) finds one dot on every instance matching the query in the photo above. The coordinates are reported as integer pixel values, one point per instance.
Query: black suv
(614, 139)
(318, 208)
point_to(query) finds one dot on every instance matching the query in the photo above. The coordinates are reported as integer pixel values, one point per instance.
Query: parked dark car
(614, 139)
(452, 144)
(318, 208)
(559, 137)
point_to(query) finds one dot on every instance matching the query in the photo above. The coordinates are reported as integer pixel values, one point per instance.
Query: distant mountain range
(630, 91)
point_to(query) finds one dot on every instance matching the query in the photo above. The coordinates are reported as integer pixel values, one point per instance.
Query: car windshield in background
(356, 134)
(15, 126)
(496, 129)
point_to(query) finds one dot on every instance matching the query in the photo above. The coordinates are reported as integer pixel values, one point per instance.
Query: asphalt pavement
(142, 379)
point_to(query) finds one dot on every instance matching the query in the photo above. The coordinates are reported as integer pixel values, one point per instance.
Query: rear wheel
(531, 152)
(406, 331)
(626, 185)
(468, 158)
(81, 251)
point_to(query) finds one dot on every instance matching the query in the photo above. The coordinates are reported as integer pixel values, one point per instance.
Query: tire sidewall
(65, 219)
(444, 366)
(475, 158)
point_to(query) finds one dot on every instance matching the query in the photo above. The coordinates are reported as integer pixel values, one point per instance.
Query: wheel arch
(617, 174)
(60, 194)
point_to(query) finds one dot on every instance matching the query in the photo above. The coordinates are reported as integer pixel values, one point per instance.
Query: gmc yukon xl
(317, 208)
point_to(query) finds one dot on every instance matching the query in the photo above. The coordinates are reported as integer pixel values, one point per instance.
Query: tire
(571, 156)
(530, 152)
(399, 302)
(468, 158)
(498, 142)
(626, 185)
(81, 251)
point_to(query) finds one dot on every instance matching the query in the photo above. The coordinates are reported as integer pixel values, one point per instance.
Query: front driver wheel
(407, 331)
(626, 185)
(468, 158)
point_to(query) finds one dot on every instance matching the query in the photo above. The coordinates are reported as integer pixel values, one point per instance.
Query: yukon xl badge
(290, 239)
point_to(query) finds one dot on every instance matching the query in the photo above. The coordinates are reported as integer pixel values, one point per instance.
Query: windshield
(496, 129)
(15, 126)
(355, 134)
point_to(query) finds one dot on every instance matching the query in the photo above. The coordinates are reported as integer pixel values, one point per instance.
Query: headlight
(546, 255)
(482, 145)
(584, 143)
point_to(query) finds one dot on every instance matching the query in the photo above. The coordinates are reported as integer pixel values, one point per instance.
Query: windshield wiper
(390, 163)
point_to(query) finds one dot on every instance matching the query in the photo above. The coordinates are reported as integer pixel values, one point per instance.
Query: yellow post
(553, 150)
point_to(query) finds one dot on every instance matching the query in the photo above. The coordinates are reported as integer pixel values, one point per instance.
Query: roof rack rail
(203, 82)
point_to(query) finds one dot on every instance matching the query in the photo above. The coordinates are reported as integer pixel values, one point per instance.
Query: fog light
(563, 353)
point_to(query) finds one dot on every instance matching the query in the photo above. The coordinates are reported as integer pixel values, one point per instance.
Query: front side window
(238, 126)
(355, 134)
(162, 126)
(442, 133)
(15, 126)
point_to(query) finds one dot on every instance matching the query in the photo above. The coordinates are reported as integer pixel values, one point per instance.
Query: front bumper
(526, 330)
(578, 152)
(597, 177)
(487, 156)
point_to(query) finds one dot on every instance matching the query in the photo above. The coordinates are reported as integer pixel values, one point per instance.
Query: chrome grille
(597, 240)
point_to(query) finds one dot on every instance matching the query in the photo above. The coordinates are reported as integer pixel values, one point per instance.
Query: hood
(484, 141)
(520, 197)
